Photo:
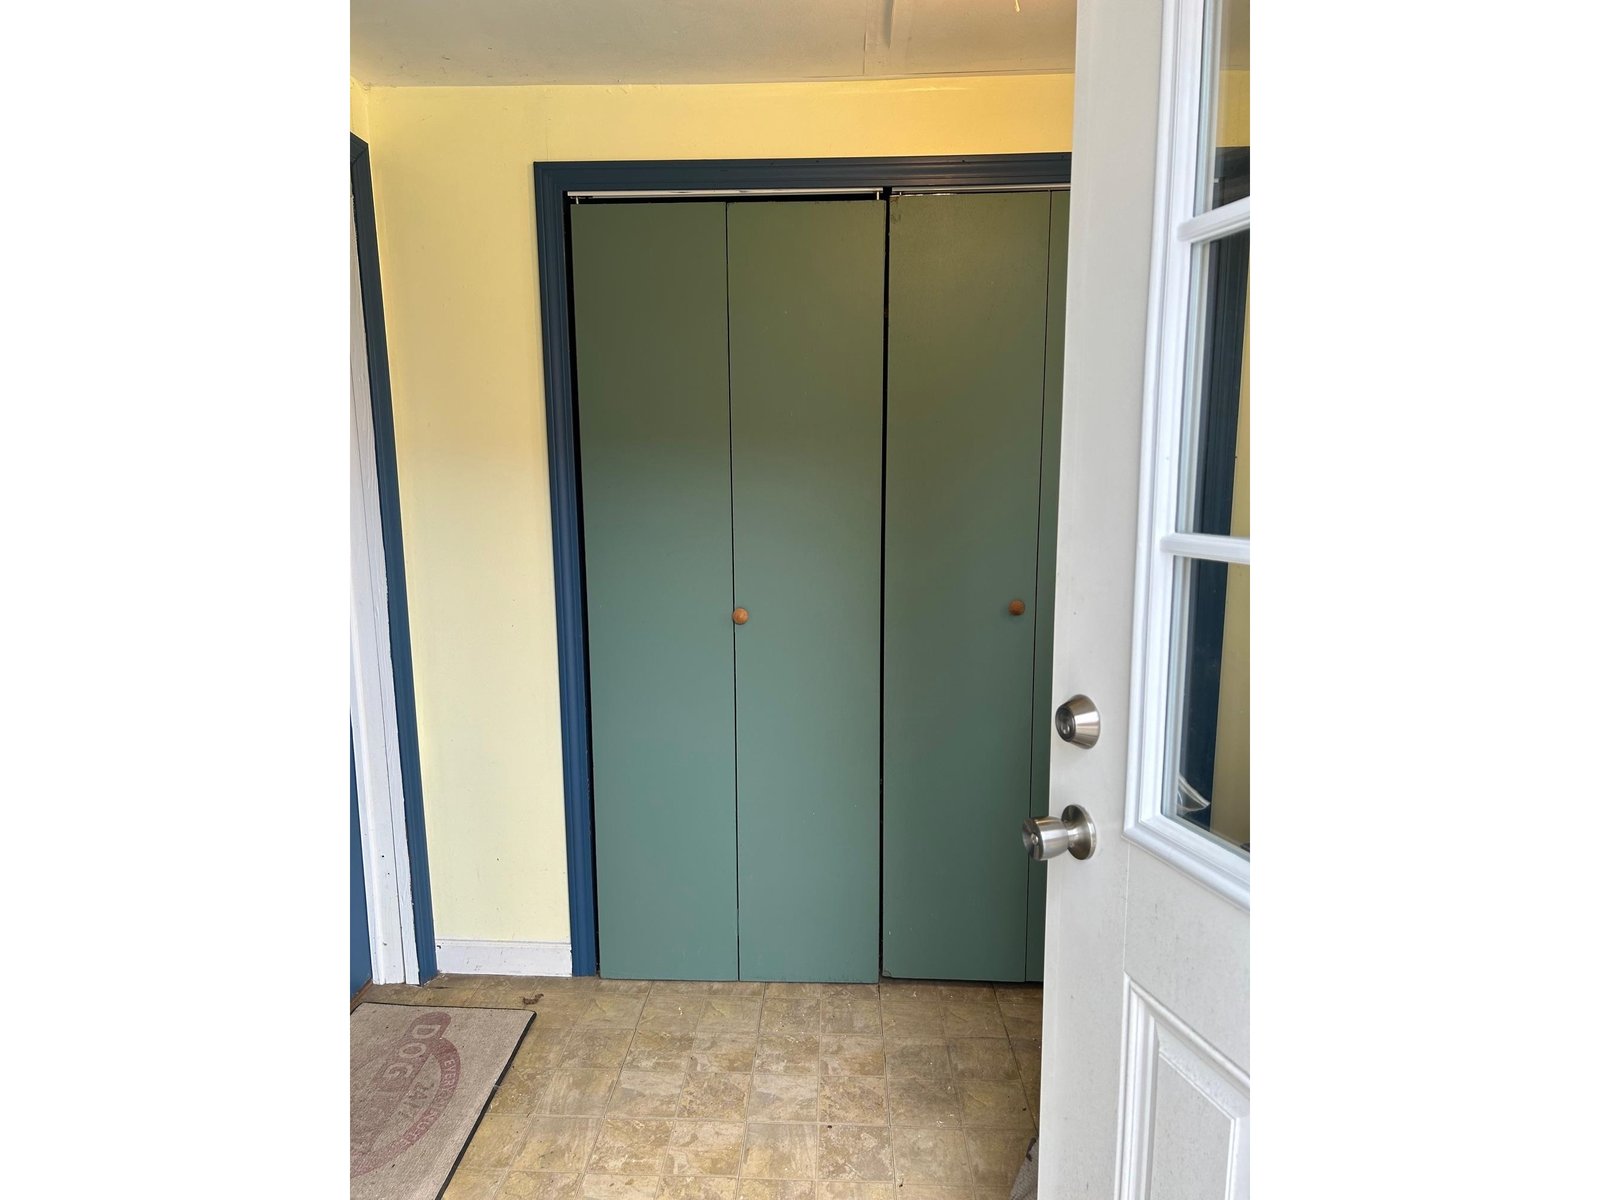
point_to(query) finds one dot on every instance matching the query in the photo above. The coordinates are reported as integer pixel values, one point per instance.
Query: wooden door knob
(1018, 608)
(741, 615)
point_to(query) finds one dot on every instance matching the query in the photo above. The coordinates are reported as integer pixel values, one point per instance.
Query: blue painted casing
(405, 701)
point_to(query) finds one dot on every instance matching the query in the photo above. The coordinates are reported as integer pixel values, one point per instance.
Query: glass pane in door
(1208, 783)
(1224, 174)
(1216, 494)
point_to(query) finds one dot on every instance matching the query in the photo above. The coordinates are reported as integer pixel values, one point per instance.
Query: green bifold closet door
(650, 298)
(805, 329)
(729, 371)
(971, 409)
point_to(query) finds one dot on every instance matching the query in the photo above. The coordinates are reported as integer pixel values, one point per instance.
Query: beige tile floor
(751, 1091)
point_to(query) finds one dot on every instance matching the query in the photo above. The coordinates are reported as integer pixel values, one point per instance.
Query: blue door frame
(552, 185)
(405, 701)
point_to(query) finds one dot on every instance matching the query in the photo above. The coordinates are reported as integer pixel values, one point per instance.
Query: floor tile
(653, 1050)
(700, 1187)
(851, 1055)
(788, 991)
(994, 1103)
(620, 1187)
(781, 1152)
(783, 1098)
(504, 995)
(561, 1009)
(451, 997)
(928, 1103)
(847, 1015)
(982, 1058)
(853, 1099)
(996, 1155)
(645, 1094)
(448, 979)
(595, 1048)
(734, 1052)
(495, 1142)
(727, 987)
(973, 1020)
(918, 1019)
(797, 1015)
(926, 1058)
(730, 1014)
(1022, 1025)
(541, 1185)
(854, 1152)
(543, 1048)
(548, 985)
(705, 1148)
(467, 1184)
(671, 1014)
(556, 1144)
(908, 989)
(1022, 998)
(777, 1189)
(788, 1054)
(612, 1012)
(682, 987)
(1026, 1052)
(636, 987)
(849, 1189)
(1030, 1092)
(714, 1096)
(581, 1092)
(937, 1156)
(630, 1146)
(519, 1093)
(963, 992)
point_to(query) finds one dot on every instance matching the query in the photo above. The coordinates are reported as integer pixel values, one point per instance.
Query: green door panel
(967, 301)
(649, 288)
(805, 284)
(1045, 589)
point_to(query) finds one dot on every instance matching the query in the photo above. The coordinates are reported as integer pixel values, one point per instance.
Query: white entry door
(1146, 1057)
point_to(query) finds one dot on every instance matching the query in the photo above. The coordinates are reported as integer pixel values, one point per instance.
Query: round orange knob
(741, 615)
(1018, 608)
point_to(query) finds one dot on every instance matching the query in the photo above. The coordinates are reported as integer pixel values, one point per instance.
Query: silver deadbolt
(1046, 837)
(1078, 722)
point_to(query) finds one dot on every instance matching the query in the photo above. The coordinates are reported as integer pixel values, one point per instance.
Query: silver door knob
(1078, 722)
(1046, 837)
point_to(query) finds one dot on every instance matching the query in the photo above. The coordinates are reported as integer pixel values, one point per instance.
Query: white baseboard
(461, 956)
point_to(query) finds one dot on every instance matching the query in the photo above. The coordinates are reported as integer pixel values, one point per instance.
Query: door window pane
(1217, 428)
(1225, 121)
(1209, 780)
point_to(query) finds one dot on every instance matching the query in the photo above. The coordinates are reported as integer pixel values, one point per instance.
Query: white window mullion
(1218, 223)
(1211, 546)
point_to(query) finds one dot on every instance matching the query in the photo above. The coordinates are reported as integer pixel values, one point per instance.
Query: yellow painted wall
(358, 110)
(453, 177)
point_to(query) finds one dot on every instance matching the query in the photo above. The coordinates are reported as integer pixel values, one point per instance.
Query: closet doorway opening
(804, 426)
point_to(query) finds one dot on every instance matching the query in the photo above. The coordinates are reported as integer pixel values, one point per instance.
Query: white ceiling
(470, 42)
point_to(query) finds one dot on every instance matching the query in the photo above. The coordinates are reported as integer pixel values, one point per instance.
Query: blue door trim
(405, 697)
(552, 182)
